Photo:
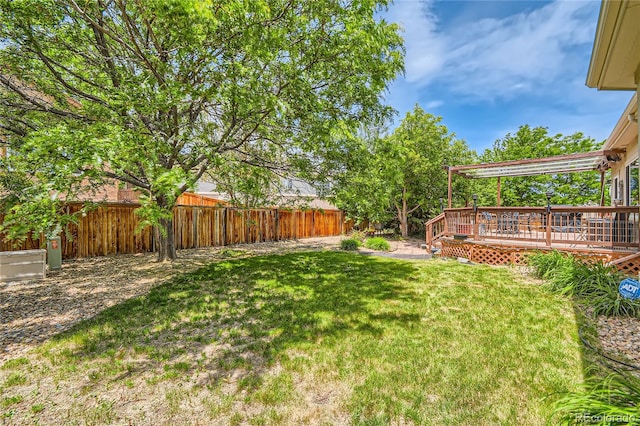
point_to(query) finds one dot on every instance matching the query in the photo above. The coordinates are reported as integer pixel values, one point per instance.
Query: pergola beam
(449, 189)
(570, 163)
(559, 164)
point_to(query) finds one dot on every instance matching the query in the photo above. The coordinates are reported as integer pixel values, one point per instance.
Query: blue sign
(629, 288)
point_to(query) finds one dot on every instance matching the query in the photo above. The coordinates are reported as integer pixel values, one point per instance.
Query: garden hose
(603, 355)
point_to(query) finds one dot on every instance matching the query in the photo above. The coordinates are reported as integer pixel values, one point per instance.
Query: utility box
(22, 265)
(54, 254)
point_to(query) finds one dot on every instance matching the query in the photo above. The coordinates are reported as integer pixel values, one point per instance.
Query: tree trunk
(404, 223)
(166, 242)
(164, 234)
(403, 215)
(404, 226)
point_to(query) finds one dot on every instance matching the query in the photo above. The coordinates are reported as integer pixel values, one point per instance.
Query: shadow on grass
(239, 315)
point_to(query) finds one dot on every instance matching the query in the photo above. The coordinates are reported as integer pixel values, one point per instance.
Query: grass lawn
(309, 338)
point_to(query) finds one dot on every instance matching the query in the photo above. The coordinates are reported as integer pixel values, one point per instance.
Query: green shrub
(358, 235)
(559, 269)
(377, 243)
(596, 285)
(544, 263)
(614, 400)
(227, 252)
(349, 244)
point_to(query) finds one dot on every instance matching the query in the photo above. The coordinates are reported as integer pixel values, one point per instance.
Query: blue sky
(487, 67)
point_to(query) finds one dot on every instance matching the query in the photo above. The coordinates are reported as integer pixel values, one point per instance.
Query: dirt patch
(407, 249)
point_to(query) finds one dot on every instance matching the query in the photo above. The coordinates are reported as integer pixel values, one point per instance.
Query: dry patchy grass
(308, 338)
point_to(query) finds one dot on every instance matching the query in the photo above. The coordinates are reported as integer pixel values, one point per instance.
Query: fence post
(247, 226)
(224, 226)
(195, 226)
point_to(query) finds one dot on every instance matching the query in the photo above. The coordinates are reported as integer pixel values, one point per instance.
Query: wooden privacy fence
(113, 229)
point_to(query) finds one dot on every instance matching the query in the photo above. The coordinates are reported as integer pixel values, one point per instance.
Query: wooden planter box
(23, 265)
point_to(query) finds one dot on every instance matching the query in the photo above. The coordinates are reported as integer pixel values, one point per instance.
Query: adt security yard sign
(629, 288)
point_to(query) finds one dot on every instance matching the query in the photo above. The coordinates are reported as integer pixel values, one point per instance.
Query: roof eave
(625, 129)
(607, 26)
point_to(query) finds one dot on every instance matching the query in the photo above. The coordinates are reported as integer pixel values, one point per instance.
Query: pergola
(570, 163)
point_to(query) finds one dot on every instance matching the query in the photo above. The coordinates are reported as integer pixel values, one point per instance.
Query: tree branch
(413, 209)
(128, 179)
(62, 81)
(42, 106)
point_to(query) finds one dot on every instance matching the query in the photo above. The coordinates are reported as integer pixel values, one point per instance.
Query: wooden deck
(499, 235)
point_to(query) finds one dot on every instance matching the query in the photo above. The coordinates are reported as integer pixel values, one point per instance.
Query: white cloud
(433, 104)
(426, 49)
(494, 58)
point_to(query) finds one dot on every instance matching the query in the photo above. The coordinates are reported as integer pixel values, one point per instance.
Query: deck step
(624, 259)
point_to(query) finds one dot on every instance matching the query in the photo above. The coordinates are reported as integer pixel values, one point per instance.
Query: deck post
(449, 195)
(445, 226)
(498, 198)
(602, 188)
(476, 234)
(548, 236)
(637, 227)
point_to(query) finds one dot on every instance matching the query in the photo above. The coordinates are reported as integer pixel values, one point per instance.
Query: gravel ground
(33, 311)
(621, 337)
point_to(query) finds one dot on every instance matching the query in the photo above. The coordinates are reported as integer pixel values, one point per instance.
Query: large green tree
(156, 93)
(528, 142)
(401, 175)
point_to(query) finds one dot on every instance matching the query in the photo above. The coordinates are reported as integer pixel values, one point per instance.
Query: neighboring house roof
(295, 191)
(615, 57)
(293, 187)
(290, 187)
(312, 202)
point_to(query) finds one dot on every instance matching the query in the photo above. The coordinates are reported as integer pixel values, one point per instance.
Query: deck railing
(614, 228)
(435, 228)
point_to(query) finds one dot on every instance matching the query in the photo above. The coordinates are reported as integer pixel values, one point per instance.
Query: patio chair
(508, 223)
(485, 223)
(582, 231)
(575, 219)
(530, 224)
